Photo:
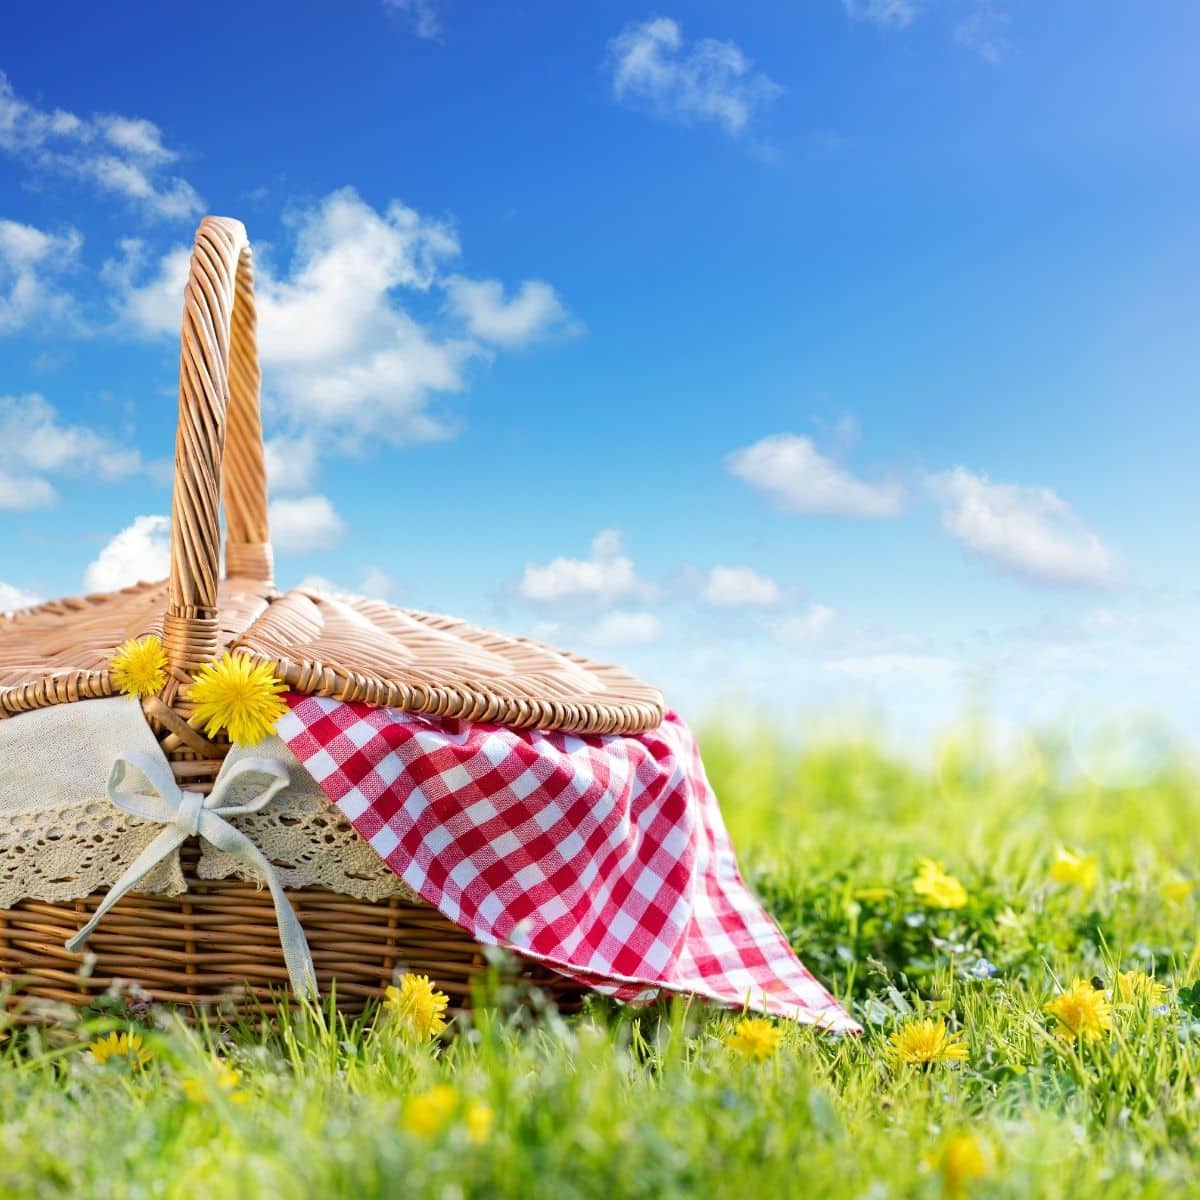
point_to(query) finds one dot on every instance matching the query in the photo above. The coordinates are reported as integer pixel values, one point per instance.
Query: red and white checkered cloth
(604, 857)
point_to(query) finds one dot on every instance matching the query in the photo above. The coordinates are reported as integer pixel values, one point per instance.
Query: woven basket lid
(345, 647)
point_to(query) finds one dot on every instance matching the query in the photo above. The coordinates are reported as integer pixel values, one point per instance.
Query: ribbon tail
(166, 842)
(296, 954)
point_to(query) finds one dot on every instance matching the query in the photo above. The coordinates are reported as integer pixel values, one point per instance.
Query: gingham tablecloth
(604, 857)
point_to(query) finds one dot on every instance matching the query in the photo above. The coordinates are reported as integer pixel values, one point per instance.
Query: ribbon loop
(188, 814)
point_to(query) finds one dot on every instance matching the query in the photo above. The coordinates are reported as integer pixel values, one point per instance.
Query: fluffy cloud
(34, 443)
(740, 587)
(305, 523)
(154, 306)
(375, 584)
(978, 25)
(608, 575)
(123, 156)
(291, 463)
(984, 30)
(422, 14)
(30, 260)
(890, 14)
(344, 361)
(1026, 531)
(140, 552)
(796, 477)
(13, 598)
(804, 628)
(533, 313)
(625, 629)
(707, 81)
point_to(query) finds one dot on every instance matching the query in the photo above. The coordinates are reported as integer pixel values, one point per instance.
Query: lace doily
(309, 843)
(62, 839)
(63, 853)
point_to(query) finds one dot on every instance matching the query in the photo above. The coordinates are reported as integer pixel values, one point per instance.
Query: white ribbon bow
(186, 814)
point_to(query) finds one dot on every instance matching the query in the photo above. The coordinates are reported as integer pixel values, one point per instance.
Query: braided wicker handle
(219, 439)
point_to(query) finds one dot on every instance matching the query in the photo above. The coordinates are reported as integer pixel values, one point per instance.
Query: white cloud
(978, 25)
(291, 463)
(305, 523)
(34, 444)
(889, 14)
(155, 306)
(607, 575)
(804, 628)
(795, 476)
(13, 598)
(625, 629)
(1026, 531)
(138, 553)
(18, 492)
(375, 584)
(424, 15)
(738, 587)
(707, 81)
(535, 312)
(983, 30)
(344, 362)
(137, 137)
(30, 259)
(123, 156)
(343, 358)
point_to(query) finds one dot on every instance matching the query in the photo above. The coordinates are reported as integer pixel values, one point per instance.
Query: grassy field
(655, 1103)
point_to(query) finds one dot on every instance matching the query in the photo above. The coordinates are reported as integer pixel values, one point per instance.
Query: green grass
(618, 1103)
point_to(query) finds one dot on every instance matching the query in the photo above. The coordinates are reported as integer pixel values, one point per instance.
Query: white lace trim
(64, 853)
(62, 839)
(72, 851)
(310, 844)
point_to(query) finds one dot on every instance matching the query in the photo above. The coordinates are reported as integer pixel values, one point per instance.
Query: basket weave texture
(220, 943)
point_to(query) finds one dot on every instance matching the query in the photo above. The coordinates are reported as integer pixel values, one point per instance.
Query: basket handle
(219, 444)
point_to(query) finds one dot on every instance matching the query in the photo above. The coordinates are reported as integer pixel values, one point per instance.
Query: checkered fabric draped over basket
(605, 857)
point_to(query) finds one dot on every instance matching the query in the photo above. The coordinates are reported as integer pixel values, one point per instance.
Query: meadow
(949, 905)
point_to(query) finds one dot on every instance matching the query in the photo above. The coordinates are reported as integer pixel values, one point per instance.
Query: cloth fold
(605, 857)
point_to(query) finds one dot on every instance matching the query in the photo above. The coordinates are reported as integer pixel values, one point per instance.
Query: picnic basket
(218, 942)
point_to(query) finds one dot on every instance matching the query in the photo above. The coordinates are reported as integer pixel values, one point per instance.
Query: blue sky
(841, 352)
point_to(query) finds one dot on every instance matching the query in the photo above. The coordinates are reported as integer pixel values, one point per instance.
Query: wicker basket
(219, 944)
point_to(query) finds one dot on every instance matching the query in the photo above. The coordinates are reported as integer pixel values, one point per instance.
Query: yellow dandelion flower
(1132, 987)
(419, 1004)
(238, 695)
(873, 895)
(1081, 1011)
(755, 1038)
(139, 667)
(1176, 891)
(221, 1079)
(961, 1160)
(936, 888)
(925, 1041)
(1074, 869)
(126, 1048)
(428, 1113)
(478, 1120)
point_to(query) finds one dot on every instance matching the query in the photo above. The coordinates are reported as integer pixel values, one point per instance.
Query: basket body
(218, 948)
(218, 945)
